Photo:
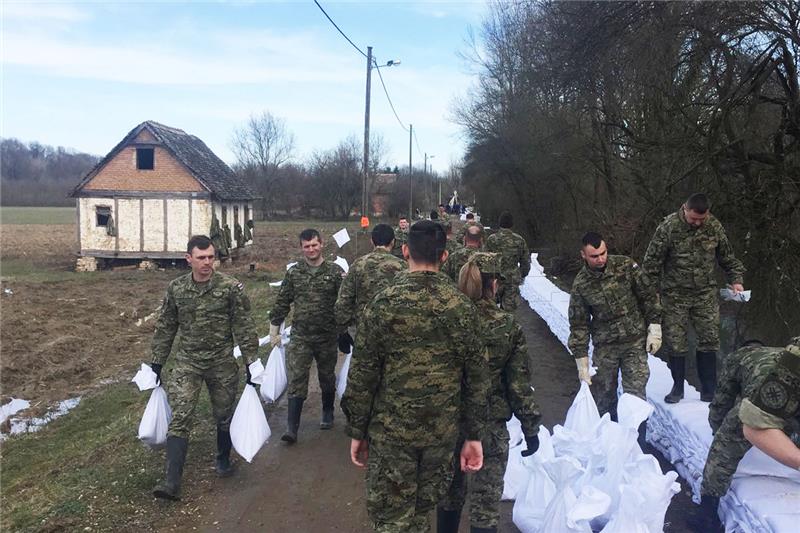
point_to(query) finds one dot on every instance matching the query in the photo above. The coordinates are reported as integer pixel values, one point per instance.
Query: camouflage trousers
(222, 380)
(628, 357)
(727, 449)
(299, 355)
(508, 296)
(404, 484)
(485, 487)
(699, 309)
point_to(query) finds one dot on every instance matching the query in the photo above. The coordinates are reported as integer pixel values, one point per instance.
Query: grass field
(37, 215)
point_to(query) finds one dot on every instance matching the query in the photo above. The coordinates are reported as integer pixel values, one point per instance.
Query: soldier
(468, 224)
(473, 242)
(681, 256)
(312, 285)
(417, 380)
(509, 393)
(400, 236)
(444, 216)
(611, 302)
(515, 261)
(451, 245)
(756, 403)
(367, 276)
(212, 312)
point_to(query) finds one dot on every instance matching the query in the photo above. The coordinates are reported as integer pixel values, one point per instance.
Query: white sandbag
(656, 489)
(273, 380)
(582, 416)
(632, 411)
(533, 499)
(249, 427)
(156, 419)
(626, 519)
(341, 379)
(145, 378)
(591, 504)
(516, 476)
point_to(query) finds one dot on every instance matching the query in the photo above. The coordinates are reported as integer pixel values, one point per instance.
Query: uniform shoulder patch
(772, 395)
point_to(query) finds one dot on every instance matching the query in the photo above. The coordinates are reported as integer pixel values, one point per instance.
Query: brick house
(155, 189)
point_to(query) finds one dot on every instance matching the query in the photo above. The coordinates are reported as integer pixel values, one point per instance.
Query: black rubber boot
(224, 445)
(707, 372)
(677, 367)
(170, 488)
(474, 529)
(327, 410)
(295, 408)
(447, 521)
(706, 516)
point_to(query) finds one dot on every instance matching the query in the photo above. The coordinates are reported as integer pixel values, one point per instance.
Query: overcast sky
(83, 74)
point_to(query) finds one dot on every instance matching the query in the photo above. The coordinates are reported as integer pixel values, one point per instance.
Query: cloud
(33, 11)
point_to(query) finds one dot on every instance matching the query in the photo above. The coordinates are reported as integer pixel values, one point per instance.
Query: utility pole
(364, 195)
(410, 176)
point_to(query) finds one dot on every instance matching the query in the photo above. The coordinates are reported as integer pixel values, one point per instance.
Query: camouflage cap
(794, 345)
(487, 263)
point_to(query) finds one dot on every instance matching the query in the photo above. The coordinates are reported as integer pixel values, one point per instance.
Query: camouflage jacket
(400, 238)
(418, 374)
(456, 260)
(683, 257)
(451, 245)
(612, 306)
(463, 230)
(515, 257)
(741, 373)
(212, 318)
(510, 386)
(313, 292)
(368, 275)
(775, 401)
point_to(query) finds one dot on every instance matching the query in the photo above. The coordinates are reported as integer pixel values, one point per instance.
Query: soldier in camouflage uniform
(417, 380)
(757, 403)
(212, 313)
(515, 261)
(451, 245)
(473, 242)
(368, 275)
(611, 302)
(681, 256)
(312, 285)
(400, 237)
(468, 224)
(509, 393)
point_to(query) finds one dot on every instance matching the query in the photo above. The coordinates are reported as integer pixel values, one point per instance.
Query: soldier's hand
(274, 335)
(532, 444)
(345, 341)
(471, 456)
(583, 369)
(249, 376)
(653, 343)
(359, 452)
(737, 288)
(157, 369)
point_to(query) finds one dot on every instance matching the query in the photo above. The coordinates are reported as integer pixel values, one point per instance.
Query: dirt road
(312, 486)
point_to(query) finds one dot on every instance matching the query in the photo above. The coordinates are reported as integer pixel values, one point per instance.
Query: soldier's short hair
(434, 214)
(592, 238)
(506, 220)
(382, 235)
(201, 242)
(698, 202)
(470, 216)
(403, 217)
(309, 234)
(426, 242)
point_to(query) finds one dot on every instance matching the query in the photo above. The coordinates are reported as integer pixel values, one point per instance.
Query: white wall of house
(127, 221)
(153, 210)
(201, 217)
(92, 236)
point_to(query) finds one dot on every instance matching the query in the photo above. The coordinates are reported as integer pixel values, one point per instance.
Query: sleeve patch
(772, 395)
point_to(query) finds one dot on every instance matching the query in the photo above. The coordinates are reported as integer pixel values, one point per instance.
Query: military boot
(223, 465)
(706, 516)
(707, 372)
(677, 367)
(293, 424)
(327, 410)
(474, 529)
(170, 488)
(447, 521)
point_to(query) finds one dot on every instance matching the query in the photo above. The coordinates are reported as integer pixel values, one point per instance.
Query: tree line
(607, 115)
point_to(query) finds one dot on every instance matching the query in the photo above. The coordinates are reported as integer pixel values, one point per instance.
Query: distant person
(212, 314)
(611, 303)
(434, 215)
(312, 285)
(468, 224)
(473, 243)
(443, 213)
(680, 260)
(510, 394)
(400, 236)
(417, 381)
(451, 244)
(515, 261)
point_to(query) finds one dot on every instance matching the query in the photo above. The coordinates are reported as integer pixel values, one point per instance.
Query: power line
(416, 141)
(390, 100)
(339, 29)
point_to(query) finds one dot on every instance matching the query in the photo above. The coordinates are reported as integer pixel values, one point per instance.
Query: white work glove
(653, 342)
(274, 335)
(583, 369)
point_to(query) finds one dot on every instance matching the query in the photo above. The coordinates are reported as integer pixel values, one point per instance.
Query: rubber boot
(170, 488)
(677, 367)
(327, 410)
(447, 521)
(295, 408)
(224, 445)
(707, 372)
(706, 516)
(474, 529)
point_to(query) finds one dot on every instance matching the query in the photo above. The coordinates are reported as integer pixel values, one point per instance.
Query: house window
(145, 158)
(102, 214)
